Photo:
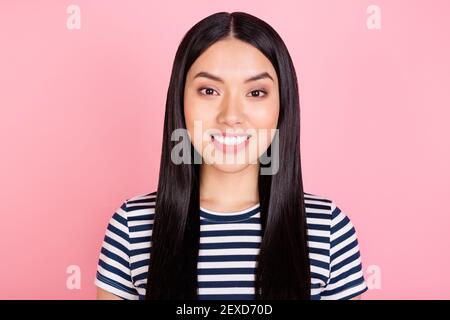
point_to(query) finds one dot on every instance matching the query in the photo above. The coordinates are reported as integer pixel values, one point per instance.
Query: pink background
(81, 118)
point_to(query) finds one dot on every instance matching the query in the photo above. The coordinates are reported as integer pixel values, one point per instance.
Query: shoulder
(323, 212)
(142, 198)
(322, 207)
(145, 203)
(136, 208)
(319, 208)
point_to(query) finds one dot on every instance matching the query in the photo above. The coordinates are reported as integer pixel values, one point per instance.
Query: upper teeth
(230, 140)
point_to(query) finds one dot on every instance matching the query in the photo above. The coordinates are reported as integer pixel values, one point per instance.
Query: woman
(220, 228)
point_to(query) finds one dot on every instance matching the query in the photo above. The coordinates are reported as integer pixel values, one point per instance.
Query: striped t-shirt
(229, 244)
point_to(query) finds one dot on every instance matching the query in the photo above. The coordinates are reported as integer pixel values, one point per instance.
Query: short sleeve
(113, 270)
(346, 279)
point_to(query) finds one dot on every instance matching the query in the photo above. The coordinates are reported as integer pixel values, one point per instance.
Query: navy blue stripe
(138, 264)
(114, 270)
(226, 271)
(319, 239)
(321, 251)
(140, 239)
(140, 276)
(226, 284)
(143, 227)
(322, 216)
(346, 274)
(229, 217)
(318, 263)
(120, 219)
(343, 237)
(114, 257)
(335, 212)
(318, 227)
(118, 232)
(226, 245)
(345, 249)
(226, 233)
(142, 217)
(223, 258)
(136, 252)
(145, 206)
(319, 276)
(145, 200)
(344, 287)
(116, 244)
(340, 225)
(345, 261)
(255, 220)
(115, 284)
(227, 297)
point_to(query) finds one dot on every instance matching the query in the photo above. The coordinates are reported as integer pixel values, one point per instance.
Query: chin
(230, 168)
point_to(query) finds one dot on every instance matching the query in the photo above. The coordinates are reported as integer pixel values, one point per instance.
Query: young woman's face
(231, 104)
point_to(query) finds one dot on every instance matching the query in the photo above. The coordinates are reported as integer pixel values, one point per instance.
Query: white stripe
(114, 290)
(229, 213)
(115, 264)
(319, 245)
(140, 245)
(319, 221)
(225, 277)
(319, 257)
(343, 282)
(138, 271)
(114, 276)
(142, 196)
(229, 251)
(345, 293)
(340, 232)
(139, 223)
(234, 226)
(141, 212)
(230, 239)
(140, 257)
(118, 225)
(341, 216)
(117, 238)
(233, 290)
(321, 271)
(318, 233)
(137, 234)
(325, 211)
(115, 250)
(342, 244)
(344, 256)
(141, 291)
(320, 198)
(345, 268)
(226, 264)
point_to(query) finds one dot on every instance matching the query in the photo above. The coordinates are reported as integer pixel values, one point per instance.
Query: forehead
(232, 58)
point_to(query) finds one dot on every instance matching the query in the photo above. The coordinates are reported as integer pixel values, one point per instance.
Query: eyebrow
(208, 75)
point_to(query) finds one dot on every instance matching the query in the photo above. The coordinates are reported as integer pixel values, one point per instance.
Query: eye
(207, 91)
(257, 93)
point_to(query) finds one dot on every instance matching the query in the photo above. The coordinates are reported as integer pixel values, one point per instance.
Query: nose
(231, 112)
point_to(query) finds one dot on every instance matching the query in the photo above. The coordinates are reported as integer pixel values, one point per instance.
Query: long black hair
(283, 269)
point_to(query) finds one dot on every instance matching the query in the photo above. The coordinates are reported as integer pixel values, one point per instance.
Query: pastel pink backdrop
(81, 118)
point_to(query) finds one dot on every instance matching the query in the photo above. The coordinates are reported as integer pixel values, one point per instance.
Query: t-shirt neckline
(234, 216)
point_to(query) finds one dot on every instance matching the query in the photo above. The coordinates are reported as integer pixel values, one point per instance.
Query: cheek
(197, 121)
(265, 118)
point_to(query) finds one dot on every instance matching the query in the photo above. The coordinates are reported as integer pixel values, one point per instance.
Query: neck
(228, 191)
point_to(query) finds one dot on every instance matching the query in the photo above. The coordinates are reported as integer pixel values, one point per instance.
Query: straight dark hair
(283, 269)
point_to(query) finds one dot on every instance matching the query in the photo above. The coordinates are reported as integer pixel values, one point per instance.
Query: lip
(235, 148)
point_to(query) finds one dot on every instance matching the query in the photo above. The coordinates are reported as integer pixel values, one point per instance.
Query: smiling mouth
(230, 143)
